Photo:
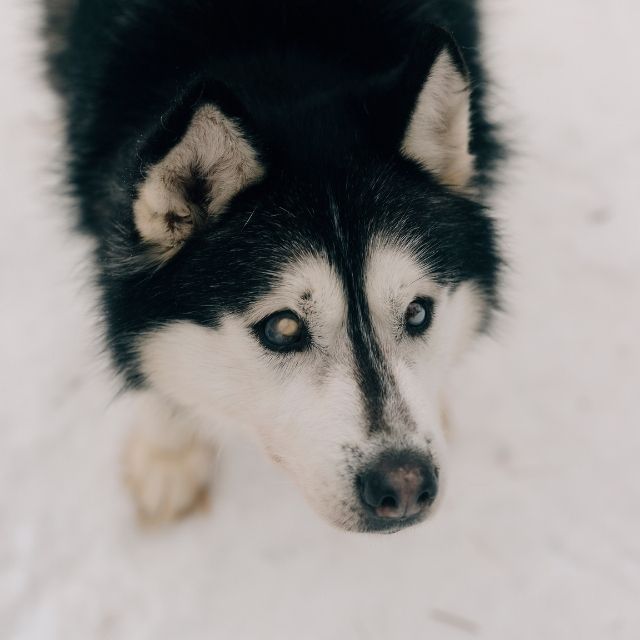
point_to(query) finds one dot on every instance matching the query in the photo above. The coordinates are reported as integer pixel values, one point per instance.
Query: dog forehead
(308, 284)
(394, 275)
(314, 286)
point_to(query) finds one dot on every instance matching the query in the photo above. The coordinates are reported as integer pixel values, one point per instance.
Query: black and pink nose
(399, 485)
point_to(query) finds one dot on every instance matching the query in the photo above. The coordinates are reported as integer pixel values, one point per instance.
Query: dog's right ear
(193, 165)
(423, 106)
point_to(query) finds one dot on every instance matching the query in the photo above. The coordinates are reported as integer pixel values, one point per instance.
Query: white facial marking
(394, 278)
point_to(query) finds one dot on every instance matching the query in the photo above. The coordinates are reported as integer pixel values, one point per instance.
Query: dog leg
(445, 417)
(167, 465)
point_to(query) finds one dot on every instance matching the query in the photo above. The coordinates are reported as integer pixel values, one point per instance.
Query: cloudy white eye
(418, 316)
(283, 331)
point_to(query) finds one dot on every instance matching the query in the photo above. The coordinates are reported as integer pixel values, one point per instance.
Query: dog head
(310, 272)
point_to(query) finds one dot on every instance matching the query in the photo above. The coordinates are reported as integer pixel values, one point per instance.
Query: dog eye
(419, 315)
(283, 331)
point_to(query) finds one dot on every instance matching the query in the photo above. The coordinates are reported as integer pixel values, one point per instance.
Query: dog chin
(361, 522)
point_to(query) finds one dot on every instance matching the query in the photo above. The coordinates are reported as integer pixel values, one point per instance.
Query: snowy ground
(540, 536)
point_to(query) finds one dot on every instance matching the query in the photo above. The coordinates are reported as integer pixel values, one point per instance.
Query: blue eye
(283, 331)
(419, 315)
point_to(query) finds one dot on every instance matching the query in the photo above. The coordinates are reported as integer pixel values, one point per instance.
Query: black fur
(325, 89)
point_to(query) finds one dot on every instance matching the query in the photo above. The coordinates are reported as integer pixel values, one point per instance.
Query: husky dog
(288, 199)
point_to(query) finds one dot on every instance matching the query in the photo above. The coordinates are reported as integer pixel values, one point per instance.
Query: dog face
(316, 297)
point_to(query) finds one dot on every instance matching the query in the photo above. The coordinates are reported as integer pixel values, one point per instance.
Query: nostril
(388, 502)
(424, 498)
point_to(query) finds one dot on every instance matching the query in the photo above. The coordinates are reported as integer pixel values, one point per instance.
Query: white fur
(306, 407)
(438, 133)
(214, 147)
(167, 465)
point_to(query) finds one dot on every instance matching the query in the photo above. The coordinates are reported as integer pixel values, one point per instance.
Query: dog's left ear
(437, 121)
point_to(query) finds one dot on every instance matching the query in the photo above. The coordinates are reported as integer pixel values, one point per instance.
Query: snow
(540, 534)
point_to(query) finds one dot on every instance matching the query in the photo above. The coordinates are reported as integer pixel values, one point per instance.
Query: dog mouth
(373, 524)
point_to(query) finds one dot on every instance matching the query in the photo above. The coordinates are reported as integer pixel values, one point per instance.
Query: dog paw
(167, 483)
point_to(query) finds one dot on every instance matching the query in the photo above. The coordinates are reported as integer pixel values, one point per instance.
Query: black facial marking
(348, 255)
(369, 363)
(377, 386)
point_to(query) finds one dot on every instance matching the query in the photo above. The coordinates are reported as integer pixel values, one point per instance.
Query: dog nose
(399, 485)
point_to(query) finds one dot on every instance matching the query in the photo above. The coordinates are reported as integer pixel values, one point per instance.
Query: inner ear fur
(194, 180)
(432, 98)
